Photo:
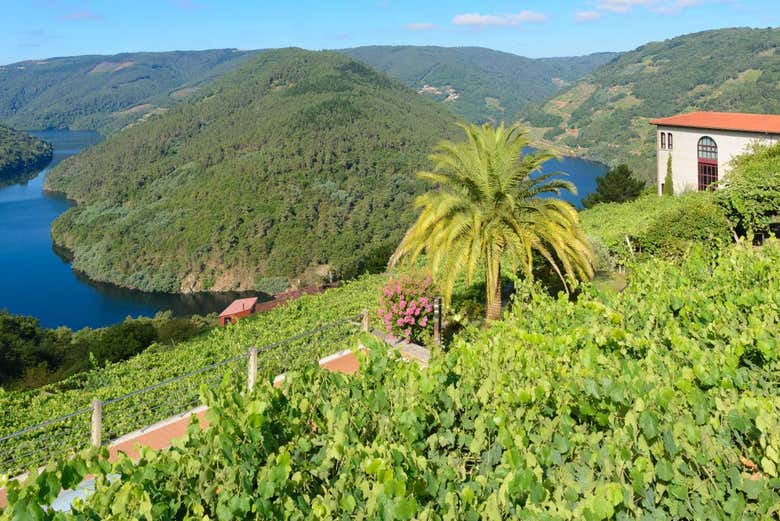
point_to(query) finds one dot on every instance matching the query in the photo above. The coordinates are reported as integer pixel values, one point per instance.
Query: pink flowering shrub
(406, 307)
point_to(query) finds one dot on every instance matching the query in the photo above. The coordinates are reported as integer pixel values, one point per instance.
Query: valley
(316, 189)
(513, 288)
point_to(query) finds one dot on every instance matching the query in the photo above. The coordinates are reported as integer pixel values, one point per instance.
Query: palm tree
(485, 210)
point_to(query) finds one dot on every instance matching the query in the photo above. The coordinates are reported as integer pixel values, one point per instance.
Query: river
(36, 280)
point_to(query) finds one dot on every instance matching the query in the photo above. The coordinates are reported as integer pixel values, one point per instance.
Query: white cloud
(676, 7)
(622, 6)
(499, 20)
(587, 16)
(655, 6)
(419, 26)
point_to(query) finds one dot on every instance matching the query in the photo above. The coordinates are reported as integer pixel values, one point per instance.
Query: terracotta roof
(239, 305)
(762, 123)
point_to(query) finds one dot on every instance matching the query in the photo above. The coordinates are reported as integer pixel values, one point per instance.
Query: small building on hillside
(242, 307)
(702, 145)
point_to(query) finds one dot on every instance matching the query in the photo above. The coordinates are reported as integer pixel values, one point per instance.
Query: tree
(751, 191)
(485, 210)
(668, 180)
(618, 185)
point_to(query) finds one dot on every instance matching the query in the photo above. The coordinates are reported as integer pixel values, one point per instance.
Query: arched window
(708, 163)
(663, 139)
(669, 140)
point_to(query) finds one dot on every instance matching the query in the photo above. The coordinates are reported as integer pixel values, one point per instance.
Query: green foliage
(651, 221)
(672, 232)
(21, 154)
(490, 85)
(105, 93)
(298, 162)
(272, 285)
(608, 112)
(669, 179)
(656, 403)
(484, 212)
(537, 117)
(32, 356)
(553, 133)
(169, 359)
(618, 185)
(751, 196)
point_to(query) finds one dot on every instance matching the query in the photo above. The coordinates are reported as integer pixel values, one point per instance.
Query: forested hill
(605, 116)
(298, 163)
(105, 92)
(21, 153)
(476, 83)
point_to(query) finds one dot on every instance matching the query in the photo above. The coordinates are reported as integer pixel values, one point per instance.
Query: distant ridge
(105, 93)
(490, 85)
(108, 92)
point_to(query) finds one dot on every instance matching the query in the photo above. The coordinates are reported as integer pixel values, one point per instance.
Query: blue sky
(31, 29)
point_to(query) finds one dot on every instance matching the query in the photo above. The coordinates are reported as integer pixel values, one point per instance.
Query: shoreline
(27, 172)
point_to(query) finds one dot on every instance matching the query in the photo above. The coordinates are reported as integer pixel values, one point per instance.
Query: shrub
(698, 221)
(406, 307)
(604, 261)
(751, 197)
(272, 285)
(618, 185)
(655, 224)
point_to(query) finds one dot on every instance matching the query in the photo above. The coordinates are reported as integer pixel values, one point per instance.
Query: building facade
(702, 145)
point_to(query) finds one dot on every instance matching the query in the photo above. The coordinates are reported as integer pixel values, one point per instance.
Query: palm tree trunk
(493, 301)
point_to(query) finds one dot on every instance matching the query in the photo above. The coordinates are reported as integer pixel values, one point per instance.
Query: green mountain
(105, 92)
(605, 116)
(298, 166)
(476, 83)
(21, 154)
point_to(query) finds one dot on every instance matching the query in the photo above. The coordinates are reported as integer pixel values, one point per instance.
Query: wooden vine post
(251, 378)
(437, 321)
(364, 322)
(97, 422)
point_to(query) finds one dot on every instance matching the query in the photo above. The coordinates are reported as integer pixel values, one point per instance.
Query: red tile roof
(238, 306)
(762, 123)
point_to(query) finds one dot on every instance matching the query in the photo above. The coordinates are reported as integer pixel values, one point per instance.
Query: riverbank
(31, 267)
(21, 156)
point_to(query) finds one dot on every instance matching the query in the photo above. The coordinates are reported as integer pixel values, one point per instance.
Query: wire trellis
(138, 409)
(33, 446)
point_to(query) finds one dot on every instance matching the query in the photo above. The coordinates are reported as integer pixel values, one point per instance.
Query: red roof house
(696, 149)
(739, 122)
(242, 307)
